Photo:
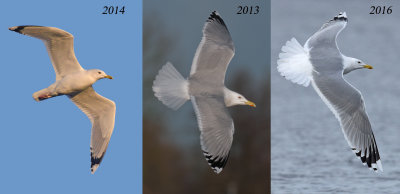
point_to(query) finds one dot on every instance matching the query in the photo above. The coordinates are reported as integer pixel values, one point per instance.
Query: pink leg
(44, 96)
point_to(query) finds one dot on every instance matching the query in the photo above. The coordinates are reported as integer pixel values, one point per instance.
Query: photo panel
(46, 145)
(207, 144)
(346, 54)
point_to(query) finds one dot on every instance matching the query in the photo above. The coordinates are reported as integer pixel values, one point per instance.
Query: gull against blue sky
(45, 145)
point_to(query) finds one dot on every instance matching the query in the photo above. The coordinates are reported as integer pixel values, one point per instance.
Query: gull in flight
(76, 83)
(205, 88)
(321, 63)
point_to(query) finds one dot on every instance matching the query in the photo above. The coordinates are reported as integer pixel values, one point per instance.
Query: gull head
(351, 64)
(99, 74)
(233, 98)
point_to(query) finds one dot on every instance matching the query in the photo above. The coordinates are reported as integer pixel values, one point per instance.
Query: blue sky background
(45, 146)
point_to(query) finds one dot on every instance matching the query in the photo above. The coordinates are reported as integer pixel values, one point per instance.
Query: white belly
(73, 83)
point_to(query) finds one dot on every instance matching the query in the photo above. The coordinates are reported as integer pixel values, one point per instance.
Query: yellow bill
(250, 103)
(368, 66)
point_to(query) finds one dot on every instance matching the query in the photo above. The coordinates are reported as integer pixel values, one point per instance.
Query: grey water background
(309, 152)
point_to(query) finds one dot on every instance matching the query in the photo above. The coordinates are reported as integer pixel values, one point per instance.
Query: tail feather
(170, 87)
(293, 63)
(41, 95)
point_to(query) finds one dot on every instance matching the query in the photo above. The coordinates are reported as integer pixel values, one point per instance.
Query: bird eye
(240, 97)
(358, 62)
(99, 72)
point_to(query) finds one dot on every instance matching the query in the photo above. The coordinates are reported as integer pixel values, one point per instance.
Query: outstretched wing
(328, 33)
(214, 52)
(59, 44)
(216, 127)
(347, 103)
(101, 112)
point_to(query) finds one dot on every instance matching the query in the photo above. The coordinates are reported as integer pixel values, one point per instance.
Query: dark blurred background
(172, 158)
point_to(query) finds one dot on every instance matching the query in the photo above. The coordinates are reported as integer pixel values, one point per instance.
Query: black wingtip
(373, 158)
(341, 17)
(20, 28)
(358, 154)
(214, 16)
(94, 160)
(216, 163)
(17, 28)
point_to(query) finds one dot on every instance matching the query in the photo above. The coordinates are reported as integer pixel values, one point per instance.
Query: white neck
(228, 96)
(348, 64)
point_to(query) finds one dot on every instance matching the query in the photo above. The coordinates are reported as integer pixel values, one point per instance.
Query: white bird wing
(216, 127)
(294, 60)
(328, 33)
(101, 112)
(59, 44)
(347, 104)
(345, 101)
(214, 52)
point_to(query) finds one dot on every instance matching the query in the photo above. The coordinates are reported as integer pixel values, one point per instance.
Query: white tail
(39, 94)
(44, 94)
(294, 64)
(170, 87)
